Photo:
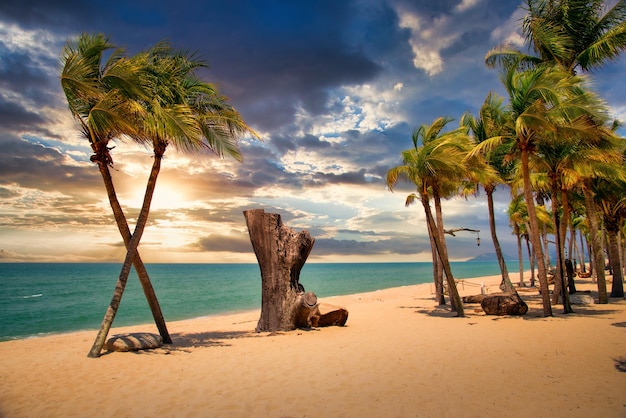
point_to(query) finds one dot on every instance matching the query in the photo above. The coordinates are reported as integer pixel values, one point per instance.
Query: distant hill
(490, 257)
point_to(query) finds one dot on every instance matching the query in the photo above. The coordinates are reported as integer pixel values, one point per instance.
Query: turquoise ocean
(48, 298)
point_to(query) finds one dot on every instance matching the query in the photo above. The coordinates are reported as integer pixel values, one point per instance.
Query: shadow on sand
(186, 342)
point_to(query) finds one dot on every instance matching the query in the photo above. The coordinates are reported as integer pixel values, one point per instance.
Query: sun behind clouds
(166, 196)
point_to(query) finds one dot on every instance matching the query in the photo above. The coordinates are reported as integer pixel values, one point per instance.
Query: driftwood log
(281, 253)
(329, 315)
(473, 298)
(305, 310)
(504, 304)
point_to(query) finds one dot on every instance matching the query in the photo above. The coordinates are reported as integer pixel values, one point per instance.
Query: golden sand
(399, 355)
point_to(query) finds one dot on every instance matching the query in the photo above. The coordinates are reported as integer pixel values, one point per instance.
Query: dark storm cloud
(284, 143)
(240, 243)
(68, 215)
(270, 57)
(396, 245)
(353, 178)
(20, 73)
(229, 243)
(374, 152)
(37, 167)
(14, 117)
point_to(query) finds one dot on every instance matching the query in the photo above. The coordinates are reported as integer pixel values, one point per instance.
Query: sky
(334, 88)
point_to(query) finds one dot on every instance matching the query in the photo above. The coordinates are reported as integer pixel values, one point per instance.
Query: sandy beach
(399, 355)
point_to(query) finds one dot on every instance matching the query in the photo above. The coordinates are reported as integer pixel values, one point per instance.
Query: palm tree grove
(550, 141)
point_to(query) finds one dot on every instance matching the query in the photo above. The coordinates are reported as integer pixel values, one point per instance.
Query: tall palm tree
(612, 203)
(442, 186)
(579, 223)
(491, 123)
(186, 113)
(431, 165)
(518, 218)
(555, 161)
(104, 99)
(574, 34)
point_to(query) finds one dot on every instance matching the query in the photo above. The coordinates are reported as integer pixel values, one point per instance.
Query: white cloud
(39, 43)
(509, 31)
(427, 40)
(465, 5)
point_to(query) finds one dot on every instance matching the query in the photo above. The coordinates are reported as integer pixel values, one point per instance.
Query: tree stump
(504, 304)
(281, 253)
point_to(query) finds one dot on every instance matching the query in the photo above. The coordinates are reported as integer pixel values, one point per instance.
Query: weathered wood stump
(281, 253)
(504, 304)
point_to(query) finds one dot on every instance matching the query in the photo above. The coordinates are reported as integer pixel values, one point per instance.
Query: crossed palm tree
(155, 99)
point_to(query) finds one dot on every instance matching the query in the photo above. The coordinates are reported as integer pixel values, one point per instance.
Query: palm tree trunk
(131, 252)
(531, 258)
(520, 255)
(573, 245)
(612, 229)
(560, 225)
(583, 263)
(534, 236)
(558, 272)
(440, 232)
(140, 268)
(437, 270)
(455, 298)
(508, 286)
(596, 245)
(592, 263)
(622, 248)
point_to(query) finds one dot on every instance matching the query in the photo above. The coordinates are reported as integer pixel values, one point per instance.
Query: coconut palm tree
(186, 113)
(579, 223)
(556, 159)
(491, 123)
(612, 203)
(518, 219)
(435, 160)
(574, 34)
(104, 98)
